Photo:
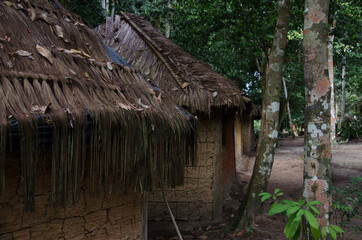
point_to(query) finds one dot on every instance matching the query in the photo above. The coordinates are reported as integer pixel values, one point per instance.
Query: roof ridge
(154, 47)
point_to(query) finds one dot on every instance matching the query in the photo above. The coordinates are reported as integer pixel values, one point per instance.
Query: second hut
(224, 113)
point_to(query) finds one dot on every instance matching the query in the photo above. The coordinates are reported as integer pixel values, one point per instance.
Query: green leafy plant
(250, 229)
(350, 129)
(297, 212)
(347, 204)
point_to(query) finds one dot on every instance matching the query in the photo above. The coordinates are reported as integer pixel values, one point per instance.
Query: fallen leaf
(109, 65)
(45, 18)
(32, 14)
(74, 51)
(80, 24)
(159, 97)
(45, 53)
(9, 4)
(79, 52)
(23, 53)
(121, 105)
(39, 109)
(142, 105)
(60, 33)
(185, 84)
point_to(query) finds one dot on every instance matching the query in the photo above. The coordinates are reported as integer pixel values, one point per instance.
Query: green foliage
(90, 10)
(350, 129)
(347, 204)
(250, 229)
(296, 212)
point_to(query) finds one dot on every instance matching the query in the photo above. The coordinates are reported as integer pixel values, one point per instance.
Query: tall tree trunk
(284, 106)
(167, 24)
(317, 145)
(343, 103)
(270, 116)
(331, 79)
(288, 108)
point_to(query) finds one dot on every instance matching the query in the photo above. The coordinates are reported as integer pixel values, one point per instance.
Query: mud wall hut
(215, 100)
(81, 138)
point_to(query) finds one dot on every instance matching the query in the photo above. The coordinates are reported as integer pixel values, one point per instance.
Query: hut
(82, 139)
(224, 112)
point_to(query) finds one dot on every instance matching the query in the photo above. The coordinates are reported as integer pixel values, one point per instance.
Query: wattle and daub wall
(200, 198)
(108, 216)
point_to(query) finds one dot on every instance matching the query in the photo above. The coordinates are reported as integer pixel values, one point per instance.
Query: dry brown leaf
(5, 39)
(60, 33)
(9, 4)
(45, 53)
(39, 109)
(185, 84)
(159, 97)
(45, 18)
(109, 65)
(22, 53)
(142, 105)
(126, 107)
(79, 52)
(32, 14)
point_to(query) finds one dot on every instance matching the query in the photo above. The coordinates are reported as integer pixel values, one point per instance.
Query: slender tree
(317, 145)
(331, 79)
(343, 102)
(271, 92)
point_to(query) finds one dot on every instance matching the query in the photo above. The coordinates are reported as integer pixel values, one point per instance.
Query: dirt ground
(287, 175)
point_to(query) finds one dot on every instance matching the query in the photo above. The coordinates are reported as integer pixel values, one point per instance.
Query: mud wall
(200, 197)
(111, 216)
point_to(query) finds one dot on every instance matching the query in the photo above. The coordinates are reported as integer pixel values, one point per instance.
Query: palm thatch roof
(56, 70)
(193, 84)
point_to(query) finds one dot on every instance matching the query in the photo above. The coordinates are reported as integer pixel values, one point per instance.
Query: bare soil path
(287, 175)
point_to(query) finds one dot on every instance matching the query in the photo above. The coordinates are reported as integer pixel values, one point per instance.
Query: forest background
(232, 35)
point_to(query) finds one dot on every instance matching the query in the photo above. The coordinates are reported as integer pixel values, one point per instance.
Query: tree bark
(331, 79)
(270, 120)
(343, 103)
(317, 145)
(288, 108)
(167, 24)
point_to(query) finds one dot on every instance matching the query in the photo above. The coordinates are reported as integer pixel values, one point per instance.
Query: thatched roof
(56, 70)
(192, 83)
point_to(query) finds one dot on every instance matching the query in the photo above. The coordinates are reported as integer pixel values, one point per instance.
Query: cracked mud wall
(200, 197)
(113, 216)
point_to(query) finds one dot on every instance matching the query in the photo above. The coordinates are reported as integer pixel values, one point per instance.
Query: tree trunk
(331, 79)
(317, 145)
(284, 108)
(167, 24)
(343, 103)
(270, 116)
(288, 109)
